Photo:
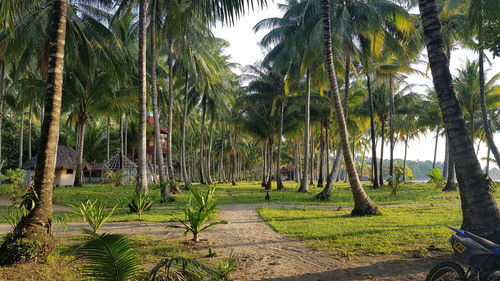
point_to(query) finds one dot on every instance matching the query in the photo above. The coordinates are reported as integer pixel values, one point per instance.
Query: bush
(93, 213)
(114, 178)
(197, 212)
(14, 176)
(140, 204)
(436, 177)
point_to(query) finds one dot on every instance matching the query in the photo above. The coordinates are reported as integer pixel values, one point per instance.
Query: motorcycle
(478, 256)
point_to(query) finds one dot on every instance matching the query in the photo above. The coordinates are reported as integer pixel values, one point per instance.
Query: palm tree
(36, 224)
(362, 203)
(479, 210)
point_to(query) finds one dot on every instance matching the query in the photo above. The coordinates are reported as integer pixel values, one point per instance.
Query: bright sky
(245, 50)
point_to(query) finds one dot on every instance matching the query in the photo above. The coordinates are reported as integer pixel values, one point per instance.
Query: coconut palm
(480, 212)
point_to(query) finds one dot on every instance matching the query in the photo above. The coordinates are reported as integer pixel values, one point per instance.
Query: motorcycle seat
(495, 248)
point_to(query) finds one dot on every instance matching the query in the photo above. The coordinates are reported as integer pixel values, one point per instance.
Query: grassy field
(62, 266)
(251, 193)
(399, 230)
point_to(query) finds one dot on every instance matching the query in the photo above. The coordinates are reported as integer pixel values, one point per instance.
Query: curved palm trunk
(165, 190)
(142, 179)
(381, 173)
(372, 135)
(21, 140)
(303, 184)
(187, 181)
(484, 113)
(362, 203)
(479, 209)
(279, 183)
(80, 128)
(34, 229)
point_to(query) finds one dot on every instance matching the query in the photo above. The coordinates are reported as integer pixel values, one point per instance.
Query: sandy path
(263, 254)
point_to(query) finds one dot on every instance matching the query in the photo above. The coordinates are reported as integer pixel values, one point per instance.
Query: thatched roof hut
(66, 165)
(67, 159)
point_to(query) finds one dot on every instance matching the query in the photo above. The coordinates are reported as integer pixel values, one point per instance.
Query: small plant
(399, 175)
(180, 268)
(227, 268)
(14, 215)
(197, 213)
(140, 204)
(115, 178)
(92, 212)
(436, 177)
(14, 176)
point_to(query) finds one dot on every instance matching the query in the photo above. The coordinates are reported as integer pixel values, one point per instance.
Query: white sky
(244, 50)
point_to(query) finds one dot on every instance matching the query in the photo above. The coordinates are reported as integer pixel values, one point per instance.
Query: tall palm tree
(479, 210)
(36, 224)
(362, 203)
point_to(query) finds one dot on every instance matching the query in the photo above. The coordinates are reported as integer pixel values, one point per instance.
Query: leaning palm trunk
(187, 181)
(372, 134)
(326, 193)
(321, 157)
(142, 174)
(165, 190)
(279, 183)
(484, 113)
(435, 149)
(362, 203)
(33, 231)
(479, 209)
(80, 127)
(303, 184)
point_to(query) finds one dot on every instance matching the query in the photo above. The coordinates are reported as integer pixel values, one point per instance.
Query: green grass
(61, 264)
(251, 193)
(399, 230)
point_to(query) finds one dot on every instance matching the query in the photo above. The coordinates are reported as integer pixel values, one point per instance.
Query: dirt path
(263, 254)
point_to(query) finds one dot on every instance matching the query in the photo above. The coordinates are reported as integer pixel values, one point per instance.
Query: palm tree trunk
(34, 229)
(487, 169)
(270, 164)
(122, 142)
(479, 209)
(321, 156)
(311, 178)
(450, 182)
(80, 127)
(381, 175)
(362, 203)
(29, 133)
(327, 147)
(484, 113)
(142, 173)
(303, 184)
(404, 160)
(391, 132)
(362, 163)
(164, 189)
(209, 152)
(446, 156)
(435, 149)
(170, 115)
(2, 78)
(107, 138)
(279, 183)
(21, 140)
(187, 181)
(202, 140)
(372, 134)
(264, 164)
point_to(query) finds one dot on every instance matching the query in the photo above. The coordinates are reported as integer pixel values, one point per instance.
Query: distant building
(66, 165)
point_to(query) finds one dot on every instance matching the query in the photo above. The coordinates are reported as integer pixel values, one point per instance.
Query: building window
(69, 171)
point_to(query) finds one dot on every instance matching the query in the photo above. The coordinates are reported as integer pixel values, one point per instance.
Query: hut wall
(65, 177)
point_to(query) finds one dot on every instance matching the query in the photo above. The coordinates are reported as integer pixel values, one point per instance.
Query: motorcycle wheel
(447, 271)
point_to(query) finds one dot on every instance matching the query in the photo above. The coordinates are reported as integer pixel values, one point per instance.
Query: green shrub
(13, 176)
(92, 212)
(116, 178)
(197, 212)
(436, 177)
(140, 204)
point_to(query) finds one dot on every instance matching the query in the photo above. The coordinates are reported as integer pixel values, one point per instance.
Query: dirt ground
(263, 254)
